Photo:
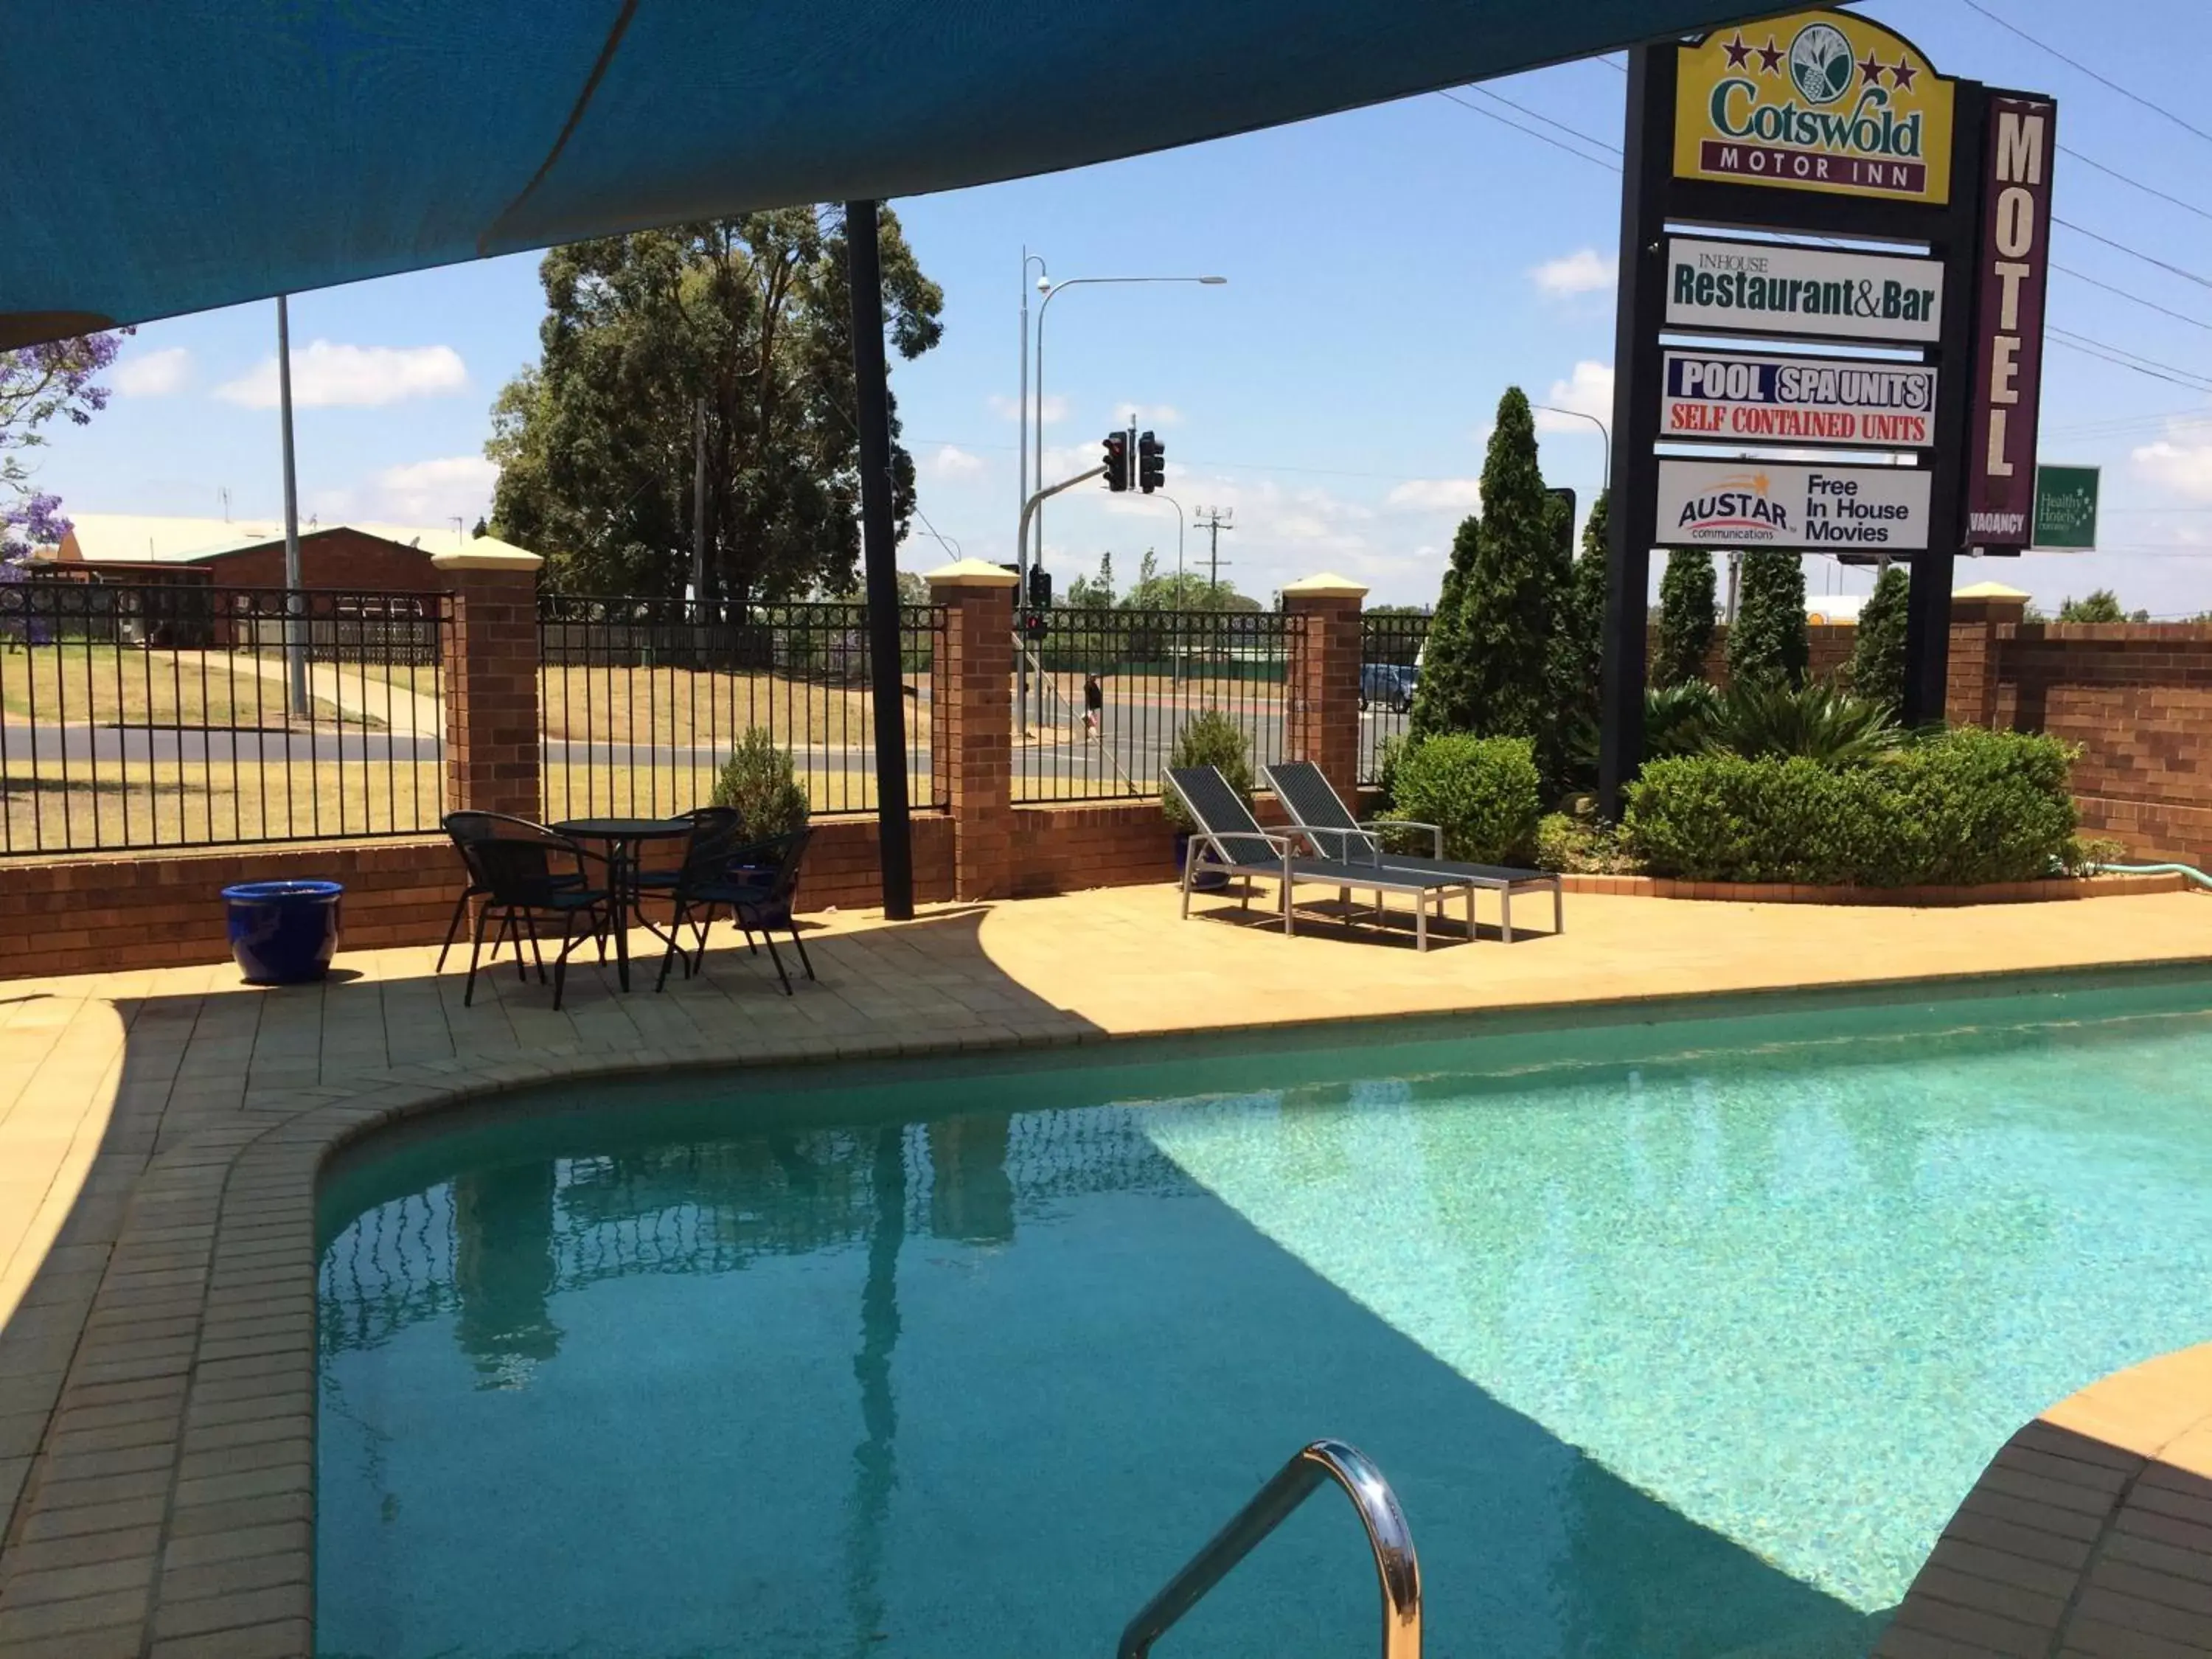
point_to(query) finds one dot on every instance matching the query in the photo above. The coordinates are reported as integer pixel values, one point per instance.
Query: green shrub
(1388, 754)
(1675, 718)
(1483, 793)
(1962, 808)
(1210, 738)
(1759, 717)
(758, 780)
(1581, 847)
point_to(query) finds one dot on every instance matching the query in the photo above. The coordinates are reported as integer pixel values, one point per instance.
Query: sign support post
(1632, 512)
(1928, 601)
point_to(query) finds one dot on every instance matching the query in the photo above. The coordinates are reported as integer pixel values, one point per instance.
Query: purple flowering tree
(39, 384)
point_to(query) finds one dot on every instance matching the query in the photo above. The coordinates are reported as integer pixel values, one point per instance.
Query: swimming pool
(1674, 1338)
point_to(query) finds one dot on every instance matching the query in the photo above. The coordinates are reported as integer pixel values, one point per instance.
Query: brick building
(120, 547)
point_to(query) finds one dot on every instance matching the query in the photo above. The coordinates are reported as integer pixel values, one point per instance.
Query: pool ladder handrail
(1395, 1565)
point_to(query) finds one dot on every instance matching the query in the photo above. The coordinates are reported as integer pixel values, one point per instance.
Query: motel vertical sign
(2014, 268)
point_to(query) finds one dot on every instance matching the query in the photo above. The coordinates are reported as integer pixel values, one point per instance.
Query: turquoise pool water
(1675, 1339)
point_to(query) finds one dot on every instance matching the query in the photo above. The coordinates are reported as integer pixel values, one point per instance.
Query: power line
(2126, 179)
(1536, 115)
(2150, 305)
(2101, 80)
(1541, 137)
(2134, 252)
(2091, 348)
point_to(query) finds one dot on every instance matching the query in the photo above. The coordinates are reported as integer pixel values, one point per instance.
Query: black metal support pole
(879, 557)
(1928, 604)
(1636, 405)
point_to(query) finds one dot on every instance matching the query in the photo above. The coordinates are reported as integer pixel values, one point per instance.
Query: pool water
(1675, 1337)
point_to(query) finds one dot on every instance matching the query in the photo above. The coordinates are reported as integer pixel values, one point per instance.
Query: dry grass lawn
(85, 808)
(82, 685)
(684, 707)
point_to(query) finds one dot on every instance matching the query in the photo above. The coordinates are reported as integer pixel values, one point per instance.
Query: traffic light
(1117, 460)
(1040, 588)
(1152, 464)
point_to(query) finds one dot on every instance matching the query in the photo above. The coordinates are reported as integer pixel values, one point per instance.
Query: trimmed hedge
(1961, 808)
(1483, 793)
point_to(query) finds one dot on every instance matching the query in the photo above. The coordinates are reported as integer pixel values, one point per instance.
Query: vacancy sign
(1797, 400)
(1757, 504)
(2012, 269)
(1765, 288)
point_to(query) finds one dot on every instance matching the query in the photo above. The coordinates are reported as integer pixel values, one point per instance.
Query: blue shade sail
(200, 153)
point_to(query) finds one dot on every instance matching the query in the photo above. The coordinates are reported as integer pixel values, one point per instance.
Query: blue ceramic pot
(1205, 881)
(284, 933)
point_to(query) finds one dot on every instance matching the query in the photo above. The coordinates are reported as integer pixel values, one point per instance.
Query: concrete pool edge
(169, 1509)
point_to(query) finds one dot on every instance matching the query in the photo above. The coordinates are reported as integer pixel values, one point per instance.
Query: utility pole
(296, 622)
(1213, 520)
(698, 504)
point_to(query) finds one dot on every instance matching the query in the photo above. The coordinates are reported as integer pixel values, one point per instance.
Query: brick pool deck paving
(160, 1133)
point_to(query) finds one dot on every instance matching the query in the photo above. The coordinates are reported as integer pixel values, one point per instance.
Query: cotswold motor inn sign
(1827, 102)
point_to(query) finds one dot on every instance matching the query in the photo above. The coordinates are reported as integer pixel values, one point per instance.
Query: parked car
(1389, 685)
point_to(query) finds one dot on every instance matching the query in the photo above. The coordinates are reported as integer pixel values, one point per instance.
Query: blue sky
(1391, 271)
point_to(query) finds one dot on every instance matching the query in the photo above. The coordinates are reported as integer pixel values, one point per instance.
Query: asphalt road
(1136, 742)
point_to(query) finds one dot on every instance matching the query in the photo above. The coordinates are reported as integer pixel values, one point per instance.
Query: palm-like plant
(1758, 719)
(1675, 717)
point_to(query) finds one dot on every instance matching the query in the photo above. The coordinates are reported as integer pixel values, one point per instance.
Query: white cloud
(1009, 408)
(951, 461)
(1583, 271)
(1587, 390)
(2183, 468)
(328, 376)
(430, 492)
(1437, 495)
(154, 374)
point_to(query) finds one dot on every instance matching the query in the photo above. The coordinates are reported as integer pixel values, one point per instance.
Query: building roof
(266, 147)
(136, 538)
(1987, 591)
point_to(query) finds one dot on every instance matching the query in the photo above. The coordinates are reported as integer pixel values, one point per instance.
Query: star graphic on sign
(1759, 482)
(1871, 67)
(1905, 73)
(1769, 58)
(1739, 54)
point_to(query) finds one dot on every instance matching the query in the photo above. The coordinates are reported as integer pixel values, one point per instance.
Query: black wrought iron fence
(640, 701)
(1390, 647)
(1152, 672)
(170, 715)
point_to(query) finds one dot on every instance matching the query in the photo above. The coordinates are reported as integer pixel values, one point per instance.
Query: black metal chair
(759, 882)
(662, 881)
(515, 867)
(466, 828)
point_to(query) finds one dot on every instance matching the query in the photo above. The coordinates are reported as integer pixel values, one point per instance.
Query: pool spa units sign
(1877, 509)
(1830, 323)
(1825, 101)
(1823, 400)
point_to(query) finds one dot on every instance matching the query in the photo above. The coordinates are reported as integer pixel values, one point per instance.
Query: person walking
(1094, 704)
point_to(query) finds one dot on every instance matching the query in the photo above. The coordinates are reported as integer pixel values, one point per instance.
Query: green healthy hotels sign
(2066, 508)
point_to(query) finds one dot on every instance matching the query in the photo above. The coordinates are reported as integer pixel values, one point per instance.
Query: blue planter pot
(1205, 881)
(284, 933)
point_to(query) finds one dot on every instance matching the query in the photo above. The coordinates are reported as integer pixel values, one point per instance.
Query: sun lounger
(1320, 818)
(1228, 840)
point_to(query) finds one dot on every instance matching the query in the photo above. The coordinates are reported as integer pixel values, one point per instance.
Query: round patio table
(622, 837)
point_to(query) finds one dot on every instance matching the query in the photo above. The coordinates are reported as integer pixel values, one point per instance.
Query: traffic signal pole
(1021, 598)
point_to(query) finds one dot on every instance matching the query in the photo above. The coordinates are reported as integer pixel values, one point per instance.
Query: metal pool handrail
(1395, 1566)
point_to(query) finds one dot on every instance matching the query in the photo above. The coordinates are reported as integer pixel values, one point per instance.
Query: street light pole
(1162, 496)
(1603, 431)
(1050, 292)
